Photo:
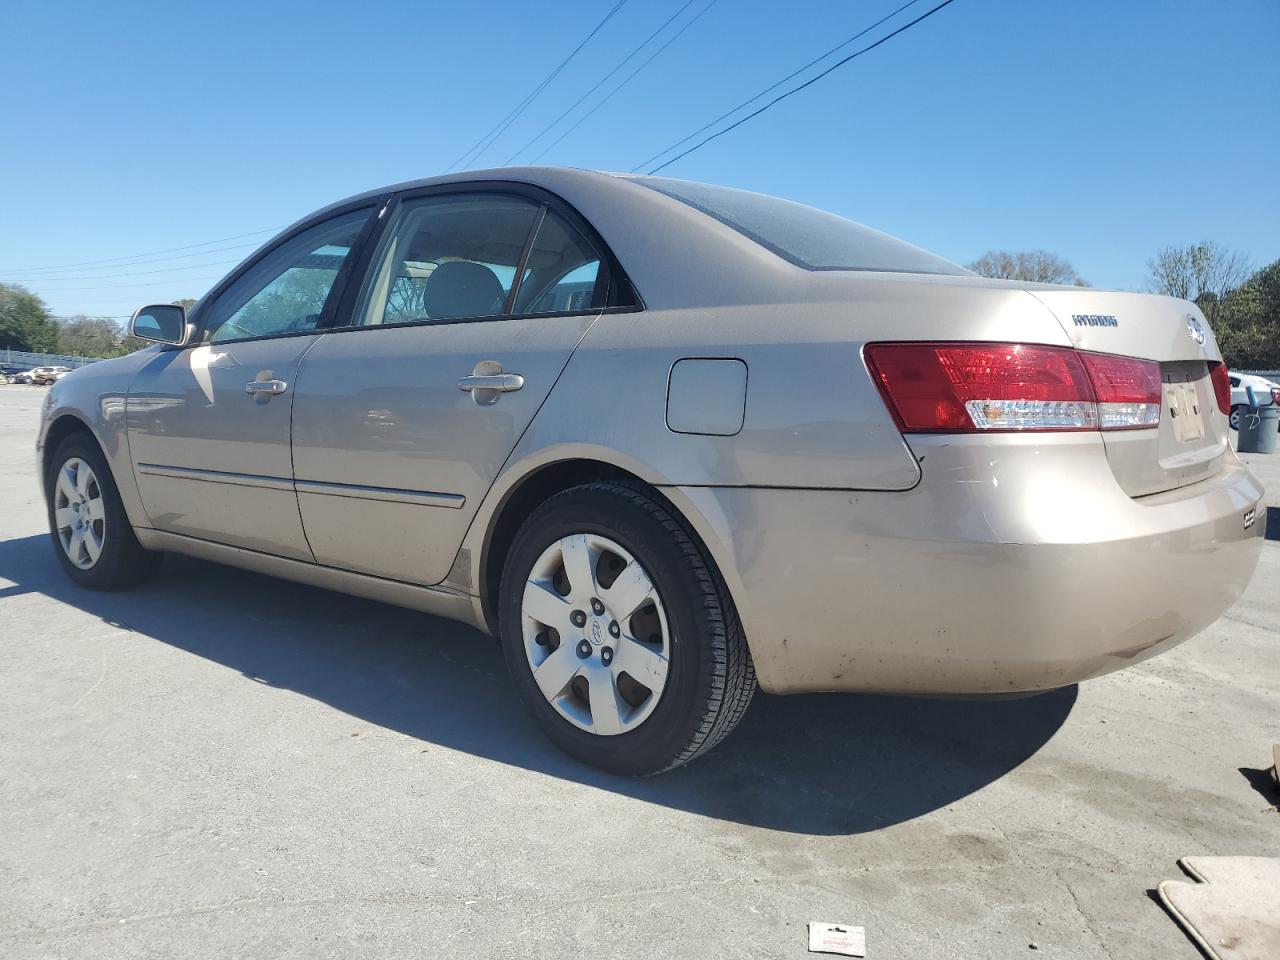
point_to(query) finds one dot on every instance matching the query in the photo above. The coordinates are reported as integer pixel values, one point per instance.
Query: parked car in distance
(1265, 393)
(22, 376)
(773, 446)
(7, 373)
(46, 375)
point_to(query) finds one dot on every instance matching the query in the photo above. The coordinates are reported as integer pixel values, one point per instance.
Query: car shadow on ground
(816, 764)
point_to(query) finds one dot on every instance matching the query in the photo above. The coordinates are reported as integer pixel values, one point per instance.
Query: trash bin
(1259, 429)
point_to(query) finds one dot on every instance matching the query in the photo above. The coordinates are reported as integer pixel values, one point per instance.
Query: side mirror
(160, 323)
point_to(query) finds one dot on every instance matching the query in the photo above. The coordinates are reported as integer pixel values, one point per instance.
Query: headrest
(460, 288)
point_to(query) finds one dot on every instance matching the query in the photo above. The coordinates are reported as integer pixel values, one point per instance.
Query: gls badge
(1195, 329)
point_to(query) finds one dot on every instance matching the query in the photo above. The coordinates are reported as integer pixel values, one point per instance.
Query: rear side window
(563, 273)
(806, 236)
(449, 257)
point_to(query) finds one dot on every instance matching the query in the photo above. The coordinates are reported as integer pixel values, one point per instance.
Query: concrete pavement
(219, 764)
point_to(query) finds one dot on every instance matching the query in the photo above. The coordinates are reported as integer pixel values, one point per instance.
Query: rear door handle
(499, 382)
(269, 387)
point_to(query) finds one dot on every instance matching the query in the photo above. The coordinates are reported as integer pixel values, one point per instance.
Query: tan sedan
(668, 440)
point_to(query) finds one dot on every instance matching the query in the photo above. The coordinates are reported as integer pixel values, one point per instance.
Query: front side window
(285, 291)
(806, 236)
(449, 257)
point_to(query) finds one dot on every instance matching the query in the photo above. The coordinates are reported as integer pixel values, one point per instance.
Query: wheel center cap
(596, 631)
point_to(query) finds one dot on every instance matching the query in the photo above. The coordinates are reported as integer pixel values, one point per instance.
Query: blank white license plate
(1184, 411)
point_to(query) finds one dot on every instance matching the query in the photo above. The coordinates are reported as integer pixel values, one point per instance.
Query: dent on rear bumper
(1014, 566)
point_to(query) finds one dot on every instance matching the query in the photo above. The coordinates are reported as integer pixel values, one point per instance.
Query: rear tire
(92, 536)
(1234, 418)
(683, 639)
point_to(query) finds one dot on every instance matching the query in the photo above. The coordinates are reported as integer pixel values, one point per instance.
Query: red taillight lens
(971, 387)
(960, 387)
(1128, 390)
(1221, 385)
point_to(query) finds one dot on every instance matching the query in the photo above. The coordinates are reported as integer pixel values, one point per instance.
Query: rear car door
(471, 307)
(209, 423)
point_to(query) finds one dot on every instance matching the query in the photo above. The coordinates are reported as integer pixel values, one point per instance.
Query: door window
(562, 273)
(286, 291)
(448, 257)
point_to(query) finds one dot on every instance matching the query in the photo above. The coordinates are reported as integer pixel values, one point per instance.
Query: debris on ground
(837, 938)
(1231, 910)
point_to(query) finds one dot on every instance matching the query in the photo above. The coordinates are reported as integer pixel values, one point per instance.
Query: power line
(621, 63)
(137, 273)
(132, 256)
(150, 283)
(770, 89)
(483, 144)
(778, 99)
(676, 36)
(141, 262)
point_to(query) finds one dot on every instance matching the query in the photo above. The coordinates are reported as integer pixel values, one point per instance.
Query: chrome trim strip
(426, 498)
(215, 476)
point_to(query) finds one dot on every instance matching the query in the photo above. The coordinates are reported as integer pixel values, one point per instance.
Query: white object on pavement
(837, 938)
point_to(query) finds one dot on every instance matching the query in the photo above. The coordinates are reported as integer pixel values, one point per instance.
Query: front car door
(209, 423)
(484, 290)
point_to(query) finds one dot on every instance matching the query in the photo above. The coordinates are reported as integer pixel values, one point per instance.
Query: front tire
(92, 536)
(621, 638)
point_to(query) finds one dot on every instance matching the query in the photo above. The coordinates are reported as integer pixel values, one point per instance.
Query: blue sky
(1099, 130)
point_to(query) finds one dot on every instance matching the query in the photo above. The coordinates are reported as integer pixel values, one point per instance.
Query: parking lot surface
(221, 764)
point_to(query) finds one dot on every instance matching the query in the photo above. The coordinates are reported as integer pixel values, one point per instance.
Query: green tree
(25, 323)
(91, 337)
(1247, 322)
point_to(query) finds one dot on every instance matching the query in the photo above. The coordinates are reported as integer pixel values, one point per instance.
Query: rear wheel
(1235, 417)
(620, 637)
(91, 533)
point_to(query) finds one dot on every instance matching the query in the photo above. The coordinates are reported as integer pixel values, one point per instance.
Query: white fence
(24, 360)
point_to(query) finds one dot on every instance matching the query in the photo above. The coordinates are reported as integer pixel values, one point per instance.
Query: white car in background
(1265, 393)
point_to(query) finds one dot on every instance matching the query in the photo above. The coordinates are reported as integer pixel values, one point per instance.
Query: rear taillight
(1128, 390)
(1221, 385)
(972, 387)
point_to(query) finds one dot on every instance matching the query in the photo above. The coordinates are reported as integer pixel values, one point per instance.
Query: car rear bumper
(1015, 565)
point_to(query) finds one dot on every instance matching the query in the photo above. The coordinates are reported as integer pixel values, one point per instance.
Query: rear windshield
(809, 238)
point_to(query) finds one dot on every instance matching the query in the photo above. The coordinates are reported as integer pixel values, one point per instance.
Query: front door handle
(488, 381)
(501, 382)
(270, 387)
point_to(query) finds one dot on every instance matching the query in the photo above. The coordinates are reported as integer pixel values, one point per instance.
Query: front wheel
(621, 639)
(91, 533)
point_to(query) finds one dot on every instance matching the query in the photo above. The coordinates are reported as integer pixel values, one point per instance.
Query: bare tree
(1037, 266)
(1204, 272)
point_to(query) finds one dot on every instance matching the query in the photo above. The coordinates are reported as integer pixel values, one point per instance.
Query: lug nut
(584, 649)
(614, 629)
(606, 655)
(596, 606)
(541, 639)
(578, 618)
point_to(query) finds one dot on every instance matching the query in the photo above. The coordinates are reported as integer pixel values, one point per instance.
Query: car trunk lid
(1192, 438)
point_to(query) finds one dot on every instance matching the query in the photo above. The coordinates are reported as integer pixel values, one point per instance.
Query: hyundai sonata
(668, 441)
